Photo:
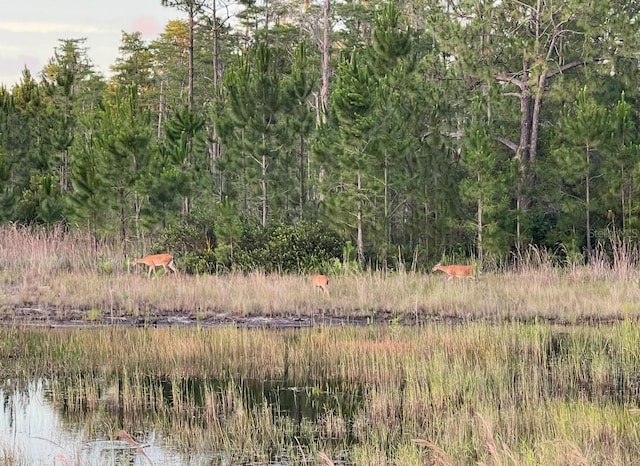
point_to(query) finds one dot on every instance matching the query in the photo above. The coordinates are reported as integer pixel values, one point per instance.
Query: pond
(49, 421)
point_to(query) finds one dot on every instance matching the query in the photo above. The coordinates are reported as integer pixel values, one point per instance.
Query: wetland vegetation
(383, 394)
(534, 364)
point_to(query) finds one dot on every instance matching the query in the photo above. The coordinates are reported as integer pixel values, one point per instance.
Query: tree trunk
(326, 71)
(359, 238)
(161, 109)
(263, 184)
(216, 146)
(301, 161)
(532, 89)
(185, 206)
(588, 202)
(217, 70)
(480, 227)
(190, 79)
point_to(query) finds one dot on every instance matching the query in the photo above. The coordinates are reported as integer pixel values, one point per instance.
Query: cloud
(147, 26)
(48, 27)
(11, 68)
(19, 62)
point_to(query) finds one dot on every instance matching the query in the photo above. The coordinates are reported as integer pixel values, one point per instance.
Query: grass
(57, 276)
(467, 394)
(531, 365)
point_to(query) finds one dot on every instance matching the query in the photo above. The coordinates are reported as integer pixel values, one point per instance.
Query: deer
(320, 282)
(157, 260)
(461, 271)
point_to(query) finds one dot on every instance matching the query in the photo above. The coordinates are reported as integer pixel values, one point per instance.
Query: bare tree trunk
(161, 109)
(301, 161)
(588, 201)
(216, 146)
(217, 68)
(326, 70)
(137, 204)
(359, 236)
(263, 183)
(264, 165)
(185, 206)
(190, 79)
(186, 203)
(65, 184)
(480, 228)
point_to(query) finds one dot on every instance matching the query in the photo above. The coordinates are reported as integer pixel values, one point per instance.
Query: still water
(39, 425)
(34, 432)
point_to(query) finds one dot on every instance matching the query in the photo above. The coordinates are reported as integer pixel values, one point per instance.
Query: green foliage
(303, 247)
(184, 148)
(404, 165)
(89, 200)
(256, 94)
(300, 248)
(191, 241)
(41, 202)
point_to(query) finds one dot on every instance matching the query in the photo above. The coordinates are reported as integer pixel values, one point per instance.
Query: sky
(30, 30)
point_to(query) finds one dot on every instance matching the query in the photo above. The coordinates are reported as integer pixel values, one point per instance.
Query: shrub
(300, 248)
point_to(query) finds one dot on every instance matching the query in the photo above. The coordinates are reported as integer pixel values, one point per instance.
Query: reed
(466, 394)
(534, 363)
(97, 298)
(53, 276)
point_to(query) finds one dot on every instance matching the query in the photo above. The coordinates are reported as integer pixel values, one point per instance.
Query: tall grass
(524, 394)
(52, 276)
(522, 390)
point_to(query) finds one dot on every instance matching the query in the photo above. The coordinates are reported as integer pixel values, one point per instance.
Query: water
(34, 432)
(39, 425)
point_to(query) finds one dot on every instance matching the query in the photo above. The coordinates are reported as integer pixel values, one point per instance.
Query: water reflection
(33, 432)
(103, 419)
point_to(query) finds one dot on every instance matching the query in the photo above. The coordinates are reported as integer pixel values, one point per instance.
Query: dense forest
(408, 129)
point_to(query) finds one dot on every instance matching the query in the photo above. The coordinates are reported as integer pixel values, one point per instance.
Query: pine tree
(186, 146)
(254, 92)
(300, 119)
(485, 185)
(88, 203)
(348, 186)
(585, 128)
(393, 62)
(124, 137)
(64, 77)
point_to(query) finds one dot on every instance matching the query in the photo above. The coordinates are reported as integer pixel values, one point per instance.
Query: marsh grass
(57, 275)
(468, 394)
(501, 373)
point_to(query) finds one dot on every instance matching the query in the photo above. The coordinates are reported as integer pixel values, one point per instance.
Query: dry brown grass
(548, 295)
(59, 270)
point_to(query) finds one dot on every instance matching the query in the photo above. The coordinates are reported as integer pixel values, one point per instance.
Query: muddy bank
(54, 317)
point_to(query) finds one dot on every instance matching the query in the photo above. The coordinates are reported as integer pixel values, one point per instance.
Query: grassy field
(532, 365)
(52, 272)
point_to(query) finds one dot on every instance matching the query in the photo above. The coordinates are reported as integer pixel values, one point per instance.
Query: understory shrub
(278, 248)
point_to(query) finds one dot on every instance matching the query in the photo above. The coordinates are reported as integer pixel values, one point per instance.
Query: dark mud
(54, 317)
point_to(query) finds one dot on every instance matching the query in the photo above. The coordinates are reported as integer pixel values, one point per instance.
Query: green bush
(300, 248)
(304, 247)
(191, 241)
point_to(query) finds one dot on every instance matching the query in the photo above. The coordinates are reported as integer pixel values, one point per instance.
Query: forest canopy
(411, 130)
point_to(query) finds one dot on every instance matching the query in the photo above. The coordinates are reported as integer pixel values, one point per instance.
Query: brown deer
(321, 282)
(455, 270)
(157, 260)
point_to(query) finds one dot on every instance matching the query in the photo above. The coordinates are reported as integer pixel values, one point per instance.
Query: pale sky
(30, 30)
